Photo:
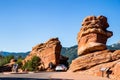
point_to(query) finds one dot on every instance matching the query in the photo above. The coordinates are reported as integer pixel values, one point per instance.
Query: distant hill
(16, 55)
(70, 52)
(115, 46)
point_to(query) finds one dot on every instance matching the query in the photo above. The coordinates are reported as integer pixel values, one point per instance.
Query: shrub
(5, 60)
(19, 62)
(32, 65)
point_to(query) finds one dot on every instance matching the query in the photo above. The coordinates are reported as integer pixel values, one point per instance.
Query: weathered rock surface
(93, 57)
(112, 66)
(93, 35)
(48, 52)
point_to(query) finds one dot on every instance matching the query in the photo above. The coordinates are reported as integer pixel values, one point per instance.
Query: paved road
(50, 76)
(43, 75)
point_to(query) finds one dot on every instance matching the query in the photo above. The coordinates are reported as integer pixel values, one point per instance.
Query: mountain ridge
(70, 52)
(16, 54)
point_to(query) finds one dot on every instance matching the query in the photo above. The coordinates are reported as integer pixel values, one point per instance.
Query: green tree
(32, 65)
(8, 58)
(5, 60)
(35, 62)
(28, 66)
(19, 62)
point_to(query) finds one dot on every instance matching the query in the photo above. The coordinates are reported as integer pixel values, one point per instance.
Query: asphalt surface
(48, 76)
(29, 76)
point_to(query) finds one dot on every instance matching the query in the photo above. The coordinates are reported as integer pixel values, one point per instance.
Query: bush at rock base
(32, 65)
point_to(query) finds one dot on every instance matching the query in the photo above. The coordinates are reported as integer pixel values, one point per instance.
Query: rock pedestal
(92, 59)
(93, 56)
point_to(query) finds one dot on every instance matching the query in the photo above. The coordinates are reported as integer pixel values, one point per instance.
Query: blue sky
(25, 23)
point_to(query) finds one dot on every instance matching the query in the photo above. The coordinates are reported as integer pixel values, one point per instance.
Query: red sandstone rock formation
(93, 34)
(94, 58)
(48, 52)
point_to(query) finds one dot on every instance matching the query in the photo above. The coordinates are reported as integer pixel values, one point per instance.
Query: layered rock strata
(93, 56)
(93, 34)
(92, 59)
(47, 52)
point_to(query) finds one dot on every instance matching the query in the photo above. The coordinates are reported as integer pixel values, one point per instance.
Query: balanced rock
(47, 52)
(94, 58)
(93, 34)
